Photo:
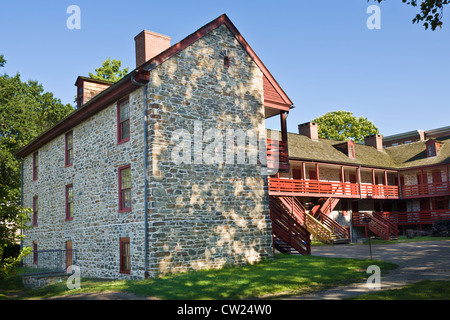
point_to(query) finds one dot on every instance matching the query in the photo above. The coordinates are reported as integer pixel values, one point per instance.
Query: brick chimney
(375, 140)
(309, 129)
(148, 45)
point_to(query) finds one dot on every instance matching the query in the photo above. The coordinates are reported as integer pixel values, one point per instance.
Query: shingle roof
(403, 156)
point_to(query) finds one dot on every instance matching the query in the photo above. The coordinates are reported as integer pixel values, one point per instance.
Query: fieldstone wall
(203, 214)
(206, 212)
(97, 225)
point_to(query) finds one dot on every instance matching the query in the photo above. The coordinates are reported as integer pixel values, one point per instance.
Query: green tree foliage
(25, 112)
(110, 70)
(431, 12)
(343, 125)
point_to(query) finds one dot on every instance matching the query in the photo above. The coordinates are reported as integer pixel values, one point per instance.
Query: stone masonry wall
(97, 225)
(206, 215)
(200, 215)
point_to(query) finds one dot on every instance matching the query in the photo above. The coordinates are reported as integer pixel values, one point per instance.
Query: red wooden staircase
(321, 226)
(321, 212)
(380, 226)
(289, 235)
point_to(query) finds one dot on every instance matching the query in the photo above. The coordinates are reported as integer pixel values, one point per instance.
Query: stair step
(340, 241)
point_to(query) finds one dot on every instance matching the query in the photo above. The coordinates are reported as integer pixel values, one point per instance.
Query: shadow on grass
(272, 278)
(282, 275)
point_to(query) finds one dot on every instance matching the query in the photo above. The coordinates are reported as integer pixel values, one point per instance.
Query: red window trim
(35, 165)
(119, 127)
(67, 164)
(35, 212)
(121, 208)
(68, 217)
(122, 257)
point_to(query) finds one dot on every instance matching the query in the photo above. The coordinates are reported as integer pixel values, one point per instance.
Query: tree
(110, 70)
(343, 125)
(431, 12)
(25, 112)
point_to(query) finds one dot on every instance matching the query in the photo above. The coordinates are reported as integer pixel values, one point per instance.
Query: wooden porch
(416, 218)
(316, 188)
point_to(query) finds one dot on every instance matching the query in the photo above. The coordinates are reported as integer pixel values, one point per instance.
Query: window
(69, 256)
(125, 259)
(35, 211)
(125, 189)
(35, 165)
(69, 202)
(226, 62)
(69, 149)
(35, 253)
(123, 122)
(431, 150)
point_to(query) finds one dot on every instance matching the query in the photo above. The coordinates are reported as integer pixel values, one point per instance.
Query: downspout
(21, 203)
(144, 87)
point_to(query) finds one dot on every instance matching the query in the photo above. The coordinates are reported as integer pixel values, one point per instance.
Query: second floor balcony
(321, 179)
(314, 188)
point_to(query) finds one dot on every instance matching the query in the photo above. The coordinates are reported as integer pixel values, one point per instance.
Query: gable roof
(277, 99)
(399, 157)
(275, 94)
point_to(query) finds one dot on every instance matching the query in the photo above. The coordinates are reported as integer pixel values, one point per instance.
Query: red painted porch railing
(437, 188)
(337, 189)
(416, 217)
(379, 191)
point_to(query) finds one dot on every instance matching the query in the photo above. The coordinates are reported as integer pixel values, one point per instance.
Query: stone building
(139, 179)
(172, 168)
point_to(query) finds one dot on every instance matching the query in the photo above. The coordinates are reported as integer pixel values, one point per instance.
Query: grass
(423, 290)
(285, 275)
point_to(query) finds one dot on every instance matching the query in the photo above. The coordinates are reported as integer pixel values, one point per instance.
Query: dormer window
(348, 148)
(432, 148)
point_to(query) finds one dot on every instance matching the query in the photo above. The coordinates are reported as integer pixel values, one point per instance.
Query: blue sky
(321, 52)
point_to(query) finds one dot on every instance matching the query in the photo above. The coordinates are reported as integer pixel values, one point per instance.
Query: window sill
(125, 210)
(123, 141)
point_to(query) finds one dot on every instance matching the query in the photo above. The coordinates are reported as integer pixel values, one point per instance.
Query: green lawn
(284, 275)
(423, 290)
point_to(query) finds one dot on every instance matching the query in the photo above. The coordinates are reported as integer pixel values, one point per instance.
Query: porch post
(303, 170)
(283, 126)
(358, 175)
